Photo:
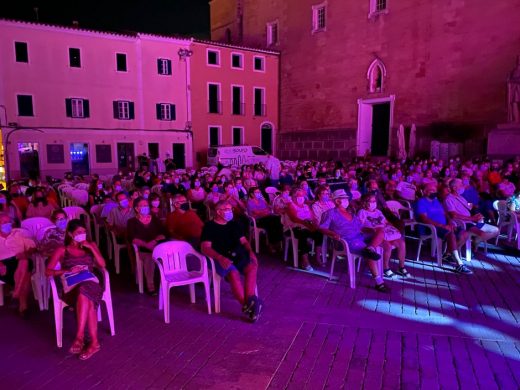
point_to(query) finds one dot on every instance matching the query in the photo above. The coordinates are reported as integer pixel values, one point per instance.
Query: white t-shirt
(372, 219)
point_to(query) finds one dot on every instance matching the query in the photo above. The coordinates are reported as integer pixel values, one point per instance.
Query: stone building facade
(352, 71)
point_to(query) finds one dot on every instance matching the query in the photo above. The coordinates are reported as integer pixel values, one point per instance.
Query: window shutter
(158, 110)
(169, 70)
(68, 107)
(173, 113)
(86, 109)
(131, 110)
(116, 109)
(159, 66)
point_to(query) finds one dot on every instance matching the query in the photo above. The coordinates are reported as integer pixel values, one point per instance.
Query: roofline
(86, 31)
(246, 48)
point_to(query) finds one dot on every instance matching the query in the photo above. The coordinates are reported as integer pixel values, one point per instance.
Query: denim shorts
(238, 265)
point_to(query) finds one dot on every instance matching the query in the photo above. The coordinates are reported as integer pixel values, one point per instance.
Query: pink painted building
(234, 92)
(89, 101)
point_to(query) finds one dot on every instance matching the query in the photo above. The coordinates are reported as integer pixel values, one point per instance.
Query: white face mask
(344, 203)
(300, 200)
(372, 206)
(80, 237)
(156, 203)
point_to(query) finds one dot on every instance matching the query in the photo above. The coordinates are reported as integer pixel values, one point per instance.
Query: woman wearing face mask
(80, 255)
(156, 209)
(6, 206)
(196, 196)
(53, 237)
(259, 209)
(39, 206)
(145, 231)
(372, 219)
(212, 198)
(96, 193)
(305, 225)
(231, 195)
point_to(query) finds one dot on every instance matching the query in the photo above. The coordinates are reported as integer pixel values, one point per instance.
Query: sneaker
(448, 258)
(256, 308)
(370, 254)
(387, 273)
(382, 288)
(308, 268)
(462, 269)
(403, 272)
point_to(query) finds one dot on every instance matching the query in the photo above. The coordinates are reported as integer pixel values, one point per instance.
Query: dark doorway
(153, 150)
(29, 159)
(179, 156)
(79, 159)
(380, 129)
(267, 138)
(125, 156)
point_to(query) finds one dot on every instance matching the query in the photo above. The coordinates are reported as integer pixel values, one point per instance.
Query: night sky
(182, 17)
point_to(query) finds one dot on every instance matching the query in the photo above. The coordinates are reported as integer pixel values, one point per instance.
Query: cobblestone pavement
(436, 330)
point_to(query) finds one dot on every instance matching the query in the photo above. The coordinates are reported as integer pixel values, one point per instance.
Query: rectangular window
(55, 154)
(74, 58)
(213, 57)
(378, 7)
(164, 66)
(259, 103)
(237, 100)
(123, 110)
(214, 136)
(238, 136)
(121, 62)
(272, 33)
(77, 108)
(237, 61)
(165, 111)
(319, 17)
(104, 154)
(214, 103)
(259, 64)
(21, 52)
(25, 105)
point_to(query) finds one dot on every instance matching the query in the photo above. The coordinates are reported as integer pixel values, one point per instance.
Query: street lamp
(183, 53)
(6, 152)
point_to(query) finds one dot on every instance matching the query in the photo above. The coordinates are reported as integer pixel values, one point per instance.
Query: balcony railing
(238, 108)
(260, 109)
(215, 107)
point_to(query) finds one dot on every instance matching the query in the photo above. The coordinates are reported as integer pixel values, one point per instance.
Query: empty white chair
(506, 219)
(429, 235)
(271, 193)
(139, 272)
(59, 305)
(397, 208)
(115, 249)
(254, 232)
(170, 258)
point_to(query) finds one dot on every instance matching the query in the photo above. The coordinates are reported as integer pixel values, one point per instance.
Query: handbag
(391, 233)
(69, 280)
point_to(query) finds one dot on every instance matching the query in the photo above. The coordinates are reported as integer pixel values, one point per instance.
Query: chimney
(75, 24)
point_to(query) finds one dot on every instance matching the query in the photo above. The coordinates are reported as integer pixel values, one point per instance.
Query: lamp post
(6, 152)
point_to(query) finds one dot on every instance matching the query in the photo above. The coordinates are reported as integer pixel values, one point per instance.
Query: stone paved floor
(435, 330)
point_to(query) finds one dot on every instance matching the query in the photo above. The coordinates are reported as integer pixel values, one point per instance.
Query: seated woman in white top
(373, 219)
(323, 202)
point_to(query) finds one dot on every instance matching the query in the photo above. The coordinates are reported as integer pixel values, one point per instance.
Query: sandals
(387, 273)
(76, 347)
(89, 351)
(403, 272)
(382, 288)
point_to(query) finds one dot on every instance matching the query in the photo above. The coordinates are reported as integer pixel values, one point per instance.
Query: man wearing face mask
(460, 211)
(430, 211)
(118, 217)
(183, 223)
(15, 249)
(224, 241)
(339, 223)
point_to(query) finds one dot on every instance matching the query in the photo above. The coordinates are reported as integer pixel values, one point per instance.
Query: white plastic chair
(271, 193)
(79, 197)
(289, 240)
(397, 207)
(255, 232)
(506, 219)
(435, 242)
(340, 248)
(76, 212)
(35, 225)
(59, 305)
(116, 247)
(170, 258)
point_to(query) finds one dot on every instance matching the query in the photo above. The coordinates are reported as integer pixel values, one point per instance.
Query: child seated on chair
(76, 256)
(224, 241)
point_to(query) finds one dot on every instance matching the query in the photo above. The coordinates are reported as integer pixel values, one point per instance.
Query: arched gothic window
(376, 76)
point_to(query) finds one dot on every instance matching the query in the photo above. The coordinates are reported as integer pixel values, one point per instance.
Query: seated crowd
(217, 209)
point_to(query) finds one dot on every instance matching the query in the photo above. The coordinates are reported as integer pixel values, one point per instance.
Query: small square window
(237, 61)
(21, 52)
(104, 154)
(165, 111)
(25, 105)
(164, 66)
(213, 57)
(214, 136)
(74, 58)
(238, 136)
(123, 109)
(259, 64)
(121, 62)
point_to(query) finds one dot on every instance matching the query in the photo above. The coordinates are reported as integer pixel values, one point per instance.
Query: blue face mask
(124, 203)
(228, 215)
(259, 196)
(6, 228)
(61, 224)
(145, 210)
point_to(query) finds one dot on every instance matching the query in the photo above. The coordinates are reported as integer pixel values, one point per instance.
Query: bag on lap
(69, 280)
